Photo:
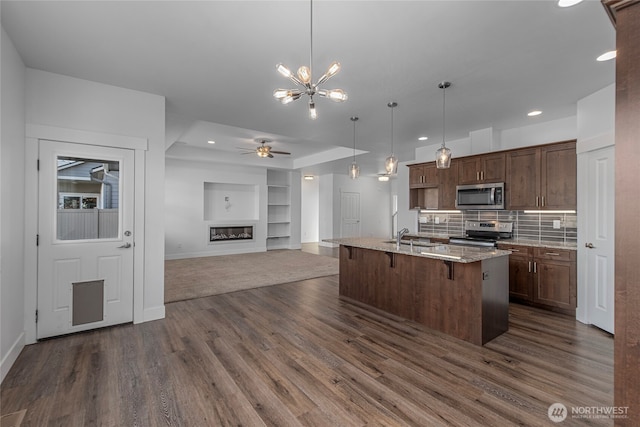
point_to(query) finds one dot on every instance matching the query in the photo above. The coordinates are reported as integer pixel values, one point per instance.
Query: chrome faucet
(399, 237)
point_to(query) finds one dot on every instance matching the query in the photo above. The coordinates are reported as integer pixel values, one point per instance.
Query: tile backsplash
(530, 226)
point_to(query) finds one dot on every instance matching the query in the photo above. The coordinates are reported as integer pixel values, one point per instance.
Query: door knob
(125, 246)
(589, 245)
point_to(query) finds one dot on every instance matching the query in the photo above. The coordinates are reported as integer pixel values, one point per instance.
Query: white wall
(65, 102)
(375, 204)
(12, 225)
(185, 225)
(310, 201)
(326, 209)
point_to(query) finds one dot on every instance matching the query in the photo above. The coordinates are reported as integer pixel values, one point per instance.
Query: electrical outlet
(556, 224)
(437, 220)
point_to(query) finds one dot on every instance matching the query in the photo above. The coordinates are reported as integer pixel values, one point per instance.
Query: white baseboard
(10, 358)
(154, 313)
(206, 254)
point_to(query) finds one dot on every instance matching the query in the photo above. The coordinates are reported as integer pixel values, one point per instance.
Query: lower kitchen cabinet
(543, 277)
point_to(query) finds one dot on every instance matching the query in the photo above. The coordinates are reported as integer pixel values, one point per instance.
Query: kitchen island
(460, 291)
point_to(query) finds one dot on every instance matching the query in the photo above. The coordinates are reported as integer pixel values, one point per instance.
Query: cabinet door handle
(537, 201)
(529, 266)
(552, 253)
(513, 250)
(535, 267)
(542, 201)
(477, 176)
(482, 175)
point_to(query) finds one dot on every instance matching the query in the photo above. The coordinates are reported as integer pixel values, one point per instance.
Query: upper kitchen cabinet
(423, 175)
(542, 178)
(433, 188)
(483, 168)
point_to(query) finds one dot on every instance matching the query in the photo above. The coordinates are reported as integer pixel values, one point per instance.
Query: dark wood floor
(295, 354)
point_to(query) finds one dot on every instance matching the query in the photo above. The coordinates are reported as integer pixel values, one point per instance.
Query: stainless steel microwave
(480, 196)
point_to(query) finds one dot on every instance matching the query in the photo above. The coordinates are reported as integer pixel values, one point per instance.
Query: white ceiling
(214, 61)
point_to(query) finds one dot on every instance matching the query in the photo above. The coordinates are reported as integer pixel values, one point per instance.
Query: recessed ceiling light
(568, 3)
(211, 141)
(534, 113)
(606, 56)
(423, 138)
(383, 178)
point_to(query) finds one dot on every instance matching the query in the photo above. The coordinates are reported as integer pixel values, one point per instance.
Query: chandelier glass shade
(303, 78)
(354, 169)
(391, 162)
(443, 154)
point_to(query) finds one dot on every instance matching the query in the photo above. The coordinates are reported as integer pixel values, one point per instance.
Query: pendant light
(354, 169)
(443, 154)
(391, 163)
(303, 79)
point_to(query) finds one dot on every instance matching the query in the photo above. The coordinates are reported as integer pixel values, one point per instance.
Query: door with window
(85, 237)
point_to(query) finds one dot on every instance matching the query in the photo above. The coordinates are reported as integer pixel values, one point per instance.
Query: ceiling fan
(263, 150)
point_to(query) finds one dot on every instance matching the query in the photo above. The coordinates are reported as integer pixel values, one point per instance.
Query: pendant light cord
(311, 37)
(354, 139)
(444, 90)
(392, 131)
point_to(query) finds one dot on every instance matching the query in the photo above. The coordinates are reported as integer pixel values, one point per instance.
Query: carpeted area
(200, 277)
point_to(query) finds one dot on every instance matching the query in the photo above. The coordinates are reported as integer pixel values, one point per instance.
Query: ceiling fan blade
(279, 152)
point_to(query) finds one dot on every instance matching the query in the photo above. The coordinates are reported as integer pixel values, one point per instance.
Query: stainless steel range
(483, 233)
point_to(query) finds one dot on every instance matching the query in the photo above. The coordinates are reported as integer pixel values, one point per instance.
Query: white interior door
(85, 233)
(350, 213)
(599, 238)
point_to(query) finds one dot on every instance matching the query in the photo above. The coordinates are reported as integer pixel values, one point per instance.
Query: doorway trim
(33, 134)
(584, 146)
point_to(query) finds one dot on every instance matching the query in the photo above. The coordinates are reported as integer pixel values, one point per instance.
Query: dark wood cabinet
(447, 181)
(558, 183)
(542, 178)
(555, 278)
(543, 277)
(483, 168)
(432, 188)
(423, 175)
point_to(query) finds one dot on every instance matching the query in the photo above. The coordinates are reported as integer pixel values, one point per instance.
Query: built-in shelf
(278, 209)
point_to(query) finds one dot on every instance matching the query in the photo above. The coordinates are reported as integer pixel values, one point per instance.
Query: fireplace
(230, 233)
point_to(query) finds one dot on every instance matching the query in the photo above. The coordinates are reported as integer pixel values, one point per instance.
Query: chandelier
(304, 80)
(354, 169)
(443, 154)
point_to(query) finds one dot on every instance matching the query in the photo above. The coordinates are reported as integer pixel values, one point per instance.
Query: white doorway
(85, 237)
(597, 245)
(350, 214)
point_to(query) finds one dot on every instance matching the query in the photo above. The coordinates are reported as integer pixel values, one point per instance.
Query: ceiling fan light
(391, 165)
(443, 158)
(354, 171)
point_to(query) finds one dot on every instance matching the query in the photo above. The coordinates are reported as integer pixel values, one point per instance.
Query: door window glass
(88, 194)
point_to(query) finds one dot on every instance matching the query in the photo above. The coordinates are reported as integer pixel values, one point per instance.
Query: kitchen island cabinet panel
(468, 301)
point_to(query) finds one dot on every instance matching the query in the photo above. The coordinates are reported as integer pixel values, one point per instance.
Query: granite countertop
(523, 242)
(462, 254)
